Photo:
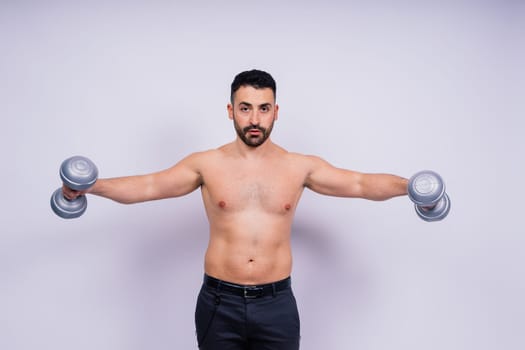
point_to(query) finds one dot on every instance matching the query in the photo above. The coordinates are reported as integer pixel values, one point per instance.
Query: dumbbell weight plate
(436, 213)
(65, 208)
(78, 173)
(426, 188)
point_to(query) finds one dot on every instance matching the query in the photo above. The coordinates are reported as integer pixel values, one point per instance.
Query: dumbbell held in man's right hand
(427, 190)
(77, 173)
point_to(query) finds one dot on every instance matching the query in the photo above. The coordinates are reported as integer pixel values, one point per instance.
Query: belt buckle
(253, 292)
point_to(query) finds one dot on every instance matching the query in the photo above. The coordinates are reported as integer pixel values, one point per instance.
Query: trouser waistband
(248, 292)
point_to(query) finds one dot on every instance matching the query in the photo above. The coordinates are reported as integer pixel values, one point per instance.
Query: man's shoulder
(209, 154)
(204, 155)
(301, 157)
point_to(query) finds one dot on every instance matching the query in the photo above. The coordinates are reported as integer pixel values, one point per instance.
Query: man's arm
(326, 179)
(181, 179)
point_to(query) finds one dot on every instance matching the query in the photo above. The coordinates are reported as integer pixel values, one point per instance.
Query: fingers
(71, 193)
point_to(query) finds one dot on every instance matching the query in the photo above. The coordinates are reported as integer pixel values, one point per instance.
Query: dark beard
(253, 141)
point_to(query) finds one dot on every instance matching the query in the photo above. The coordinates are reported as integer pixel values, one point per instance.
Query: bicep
(327, 179)
(182, 178)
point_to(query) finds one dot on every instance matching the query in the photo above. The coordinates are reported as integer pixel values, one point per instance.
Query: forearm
(126, 190)
(381, 187)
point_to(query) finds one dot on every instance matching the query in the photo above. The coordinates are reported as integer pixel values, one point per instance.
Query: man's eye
(265, 109)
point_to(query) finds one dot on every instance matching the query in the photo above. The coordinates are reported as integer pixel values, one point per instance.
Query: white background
(373, 86)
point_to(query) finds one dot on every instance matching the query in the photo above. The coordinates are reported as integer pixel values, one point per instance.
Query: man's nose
(254, 118)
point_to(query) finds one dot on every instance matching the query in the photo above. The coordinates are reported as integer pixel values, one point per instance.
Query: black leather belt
(248, 292)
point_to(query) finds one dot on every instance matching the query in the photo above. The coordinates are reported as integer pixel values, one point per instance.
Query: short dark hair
(255, 78)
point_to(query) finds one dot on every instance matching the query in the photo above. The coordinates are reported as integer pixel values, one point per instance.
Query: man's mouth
(253, 131)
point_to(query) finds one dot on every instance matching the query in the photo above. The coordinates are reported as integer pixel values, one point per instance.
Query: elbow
(125, 201)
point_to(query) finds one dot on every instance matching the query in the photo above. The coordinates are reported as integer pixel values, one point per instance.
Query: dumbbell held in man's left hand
(427, 190)
(79, 174)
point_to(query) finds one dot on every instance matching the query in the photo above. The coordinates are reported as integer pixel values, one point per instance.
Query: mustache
(253, 127)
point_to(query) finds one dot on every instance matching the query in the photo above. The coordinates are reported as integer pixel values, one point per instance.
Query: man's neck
(246, 151)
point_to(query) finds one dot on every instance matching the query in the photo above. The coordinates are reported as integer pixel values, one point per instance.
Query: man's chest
(275, 187)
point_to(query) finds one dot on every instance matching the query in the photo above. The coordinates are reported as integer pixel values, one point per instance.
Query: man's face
(253, 113)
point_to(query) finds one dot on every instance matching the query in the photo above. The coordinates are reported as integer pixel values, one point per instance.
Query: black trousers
(228, 320)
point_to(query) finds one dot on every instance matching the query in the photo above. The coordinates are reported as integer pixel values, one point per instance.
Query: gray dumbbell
(427, 190)
(78, 173)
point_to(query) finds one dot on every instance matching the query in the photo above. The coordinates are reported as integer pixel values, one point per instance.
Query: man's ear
(276, 113)
(230, 111)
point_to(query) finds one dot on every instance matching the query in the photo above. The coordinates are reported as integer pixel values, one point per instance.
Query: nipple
(287, 207)
(222, 204)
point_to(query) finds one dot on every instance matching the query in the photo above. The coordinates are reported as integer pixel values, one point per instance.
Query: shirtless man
(250, 189)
